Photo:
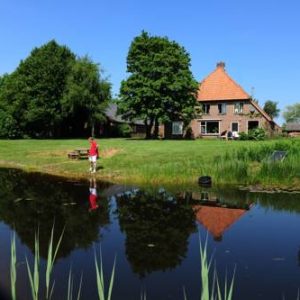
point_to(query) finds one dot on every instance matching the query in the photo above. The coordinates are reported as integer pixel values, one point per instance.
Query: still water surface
(154, 234)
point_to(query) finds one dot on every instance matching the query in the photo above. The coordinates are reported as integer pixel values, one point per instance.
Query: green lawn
(153, 162)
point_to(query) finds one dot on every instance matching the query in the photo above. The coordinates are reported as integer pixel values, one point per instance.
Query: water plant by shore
(210, 287)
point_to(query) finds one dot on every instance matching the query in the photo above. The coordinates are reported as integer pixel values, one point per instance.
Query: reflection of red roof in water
(217, 219)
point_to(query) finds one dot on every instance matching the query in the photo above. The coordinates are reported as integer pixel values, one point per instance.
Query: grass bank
(162, 162)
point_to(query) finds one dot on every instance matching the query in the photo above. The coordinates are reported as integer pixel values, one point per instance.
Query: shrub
(257, 134)
(8, 126)
(243, 136)
(124, 130)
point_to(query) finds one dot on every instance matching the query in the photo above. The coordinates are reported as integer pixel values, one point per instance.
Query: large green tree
(271, 108)
(87, 95)
(292, 113)
(8, 126)
(36, 89)
(160, 87)
(52, 93)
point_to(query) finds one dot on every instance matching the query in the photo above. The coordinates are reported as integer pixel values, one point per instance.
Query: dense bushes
(257, 134)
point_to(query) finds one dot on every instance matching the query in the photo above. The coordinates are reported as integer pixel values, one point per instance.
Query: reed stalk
(100, 278)
(52, 253)
(13, 267)
(34, 276)
(71, 287)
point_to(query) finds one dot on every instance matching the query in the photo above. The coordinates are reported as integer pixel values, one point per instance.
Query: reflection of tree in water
(157, 229)
(32, 201)
(288, 202)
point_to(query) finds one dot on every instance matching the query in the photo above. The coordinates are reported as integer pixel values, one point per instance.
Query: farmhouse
(223, 106)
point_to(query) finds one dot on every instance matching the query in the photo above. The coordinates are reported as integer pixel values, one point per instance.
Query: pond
(154, 235)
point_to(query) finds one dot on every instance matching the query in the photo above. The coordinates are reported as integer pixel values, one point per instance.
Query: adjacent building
(293, 129)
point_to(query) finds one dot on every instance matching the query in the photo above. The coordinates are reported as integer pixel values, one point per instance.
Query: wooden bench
(73, 155)
(79, 154)
(83, 153)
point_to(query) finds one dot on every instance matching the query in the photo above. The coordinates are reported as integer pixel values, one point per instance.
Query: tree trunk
(149, 128)
(156, 129)
(93, 130)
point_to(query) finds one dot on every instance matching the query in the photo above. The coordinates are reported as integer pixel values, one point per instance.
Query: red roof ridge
(218, 85)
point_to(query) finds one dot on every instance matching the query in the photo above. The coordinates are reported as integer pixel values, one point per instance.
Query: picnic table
(80, 153)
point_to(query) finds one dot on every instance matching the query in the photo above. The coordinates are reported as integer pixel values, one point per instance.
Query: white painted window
(238, 107)
(177, 128)
(210, 127)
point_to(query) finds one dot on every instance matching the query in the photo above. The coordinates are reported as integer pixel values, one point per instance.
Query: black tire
(204, 180)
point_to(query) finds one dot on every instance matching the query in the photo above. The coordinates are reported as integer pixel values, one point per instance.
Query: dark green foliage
(8, 126)
(271, 109)
(243, 136)
(157, 228)
(42, 80)
(257, 134)
(39, 98)
(32, 202)
(86, 95)
(160, 87)
(124, 130)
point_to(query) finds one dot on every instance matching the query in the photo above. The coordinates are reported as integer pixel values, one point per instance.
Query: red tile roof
(218, 85)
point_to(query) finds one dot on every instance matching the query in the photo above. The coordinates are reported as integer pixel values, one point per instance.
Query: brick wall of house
(226, 120)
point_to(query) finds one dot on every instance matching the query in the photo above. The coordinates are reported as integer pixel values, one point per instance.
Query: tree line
(55, 93)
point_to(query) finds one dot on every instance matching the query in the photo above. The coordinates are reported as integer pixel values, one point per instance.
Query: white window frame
(177, 128)
(203, 124)
(238, 108)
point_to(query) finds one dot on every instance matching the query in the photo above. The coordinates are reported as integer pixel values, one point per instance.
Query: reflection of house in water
(216, 214)
(217, 219)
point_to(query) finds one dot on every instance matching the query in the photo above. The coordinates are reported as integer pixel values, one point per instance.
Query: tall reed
(100, 278)
(13, 267)
(71, 287)
(52, 253)
(34, 276)
(213, 291)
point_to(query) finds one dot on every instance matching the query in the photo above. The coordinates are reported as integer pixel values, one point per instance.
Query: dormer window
(222, 108)
(238, 107)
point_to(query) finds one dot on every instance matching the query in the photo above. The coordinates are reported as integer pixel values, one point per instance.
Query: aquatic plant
(34, 276)
(52, 253)
(13, 267)
(71, 287)
(100, 278)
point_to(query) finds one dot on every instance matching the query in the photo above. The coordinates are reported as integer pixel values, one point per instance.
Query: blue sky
(258, 40)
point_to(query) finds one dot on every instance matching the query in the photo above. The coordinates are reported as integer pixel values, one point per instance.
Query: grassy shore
(162, 162)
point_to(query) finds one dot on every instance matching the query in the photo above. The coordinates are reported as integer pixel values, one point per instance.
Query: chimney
(221, 65)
